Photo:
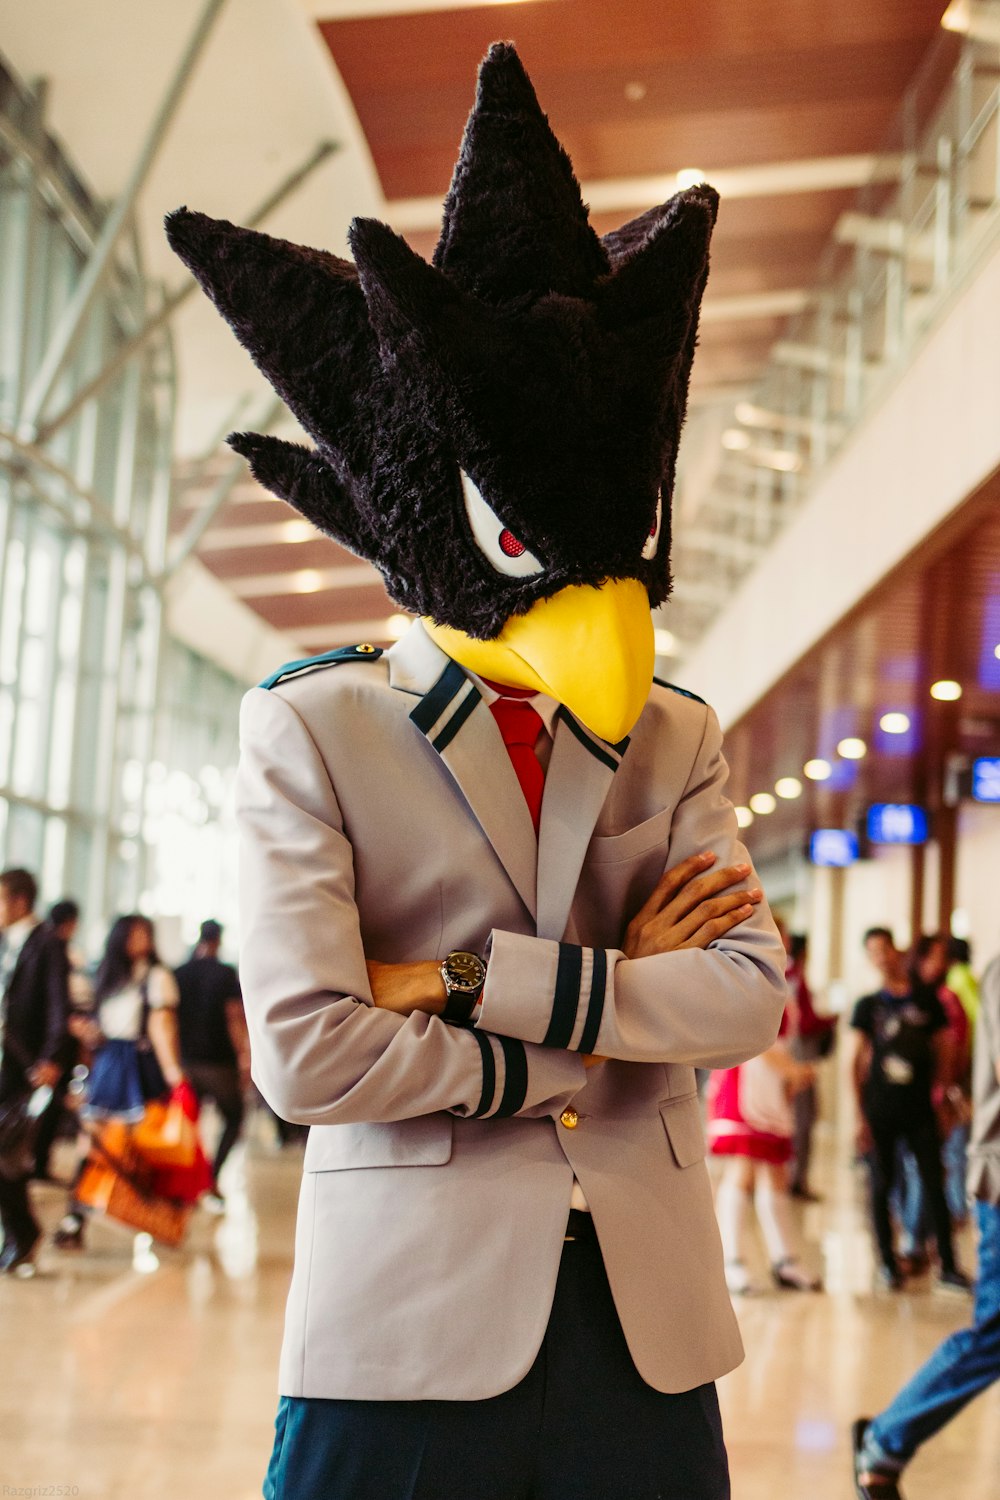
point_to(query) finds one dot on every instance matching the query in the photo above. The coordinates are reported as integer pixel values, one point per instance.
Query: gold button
(569, 1118)
(366, 647)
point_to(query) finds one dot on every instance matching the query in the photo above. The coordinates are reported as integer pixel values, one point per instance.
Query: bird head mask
(496, 431)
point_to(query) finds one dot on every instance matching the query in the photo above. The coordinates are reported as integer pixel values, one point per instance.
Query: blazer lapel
(580, 773)
(458, 725)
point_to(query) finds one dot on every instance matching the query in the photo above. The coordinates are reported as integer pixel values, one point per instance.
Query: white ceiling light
(297, 531)
(744, 817)
(996, 651)
(788, 787)
(852, 748)
(634, 92)
(306, 581)
(818, 770)
(689, 177)
(894, 723)
(664, 641)
(946, 691)
(397, 625)
(735, 440)
(762, 803)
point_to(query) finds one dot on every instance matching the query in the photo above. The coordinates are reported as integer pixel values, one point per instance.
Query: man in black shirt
(902, 1042)
(33, 1005)
(215, 1047)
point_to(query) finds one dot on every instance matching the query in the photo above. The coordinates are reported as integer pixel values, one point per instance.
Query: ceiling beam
(294, 581)
(350, 633)
(757, 305)
(821, 174)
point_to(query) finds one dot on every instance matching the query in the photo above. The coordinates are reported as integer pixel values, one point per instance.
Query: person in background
(952, 1101)
(968, 1361)
(215, 1046)
(961, 980)
(902, 1050)
(34, 1001)
(750, 1122)
(62, 921)
(137, 1057)
(812, 1040)
(928, 962)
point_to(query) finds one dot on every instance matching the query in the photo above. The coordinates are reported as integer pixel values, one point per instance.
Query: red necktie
(520, 725)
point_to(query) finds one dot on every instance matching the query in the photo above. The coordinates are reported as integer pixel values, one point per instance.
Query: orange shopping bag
(115, 1182)
(166, 1136)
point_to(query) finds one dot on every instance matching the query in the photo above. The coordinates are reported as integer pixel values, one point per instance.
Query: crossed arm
(691, 906)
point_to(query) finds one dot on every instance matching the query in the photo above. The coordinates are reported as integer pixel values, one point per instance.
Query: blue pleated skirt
(114, 1088)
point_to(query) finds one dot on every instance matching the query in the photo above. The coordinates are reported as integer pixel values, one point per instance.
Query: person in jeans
(968, 1361)
(33, 1006)
(215, 1047)
(902, 1051)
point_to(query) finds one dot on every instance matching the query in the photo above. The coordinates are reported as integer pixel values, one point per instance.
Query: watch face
(466, 971)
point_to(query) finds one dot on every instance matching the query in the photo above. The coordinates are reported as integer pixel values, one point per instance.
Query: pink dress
(727, 1130)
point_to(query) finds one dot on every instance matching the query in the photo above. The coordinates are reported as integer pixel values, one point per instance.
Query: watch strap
(458, 1007)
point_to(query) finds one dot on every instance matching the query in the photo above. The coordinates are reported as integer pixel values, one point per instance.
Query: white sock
(731, 1204)
(775, 1219)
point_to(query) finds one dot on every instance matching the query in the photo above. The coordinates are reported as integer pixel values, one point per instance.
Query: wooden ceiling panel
(807, 74)
(325, 607)
(282, 557)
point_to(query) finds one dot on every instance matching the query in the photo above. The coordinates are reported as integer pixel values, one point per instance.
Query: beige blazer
(380, 816)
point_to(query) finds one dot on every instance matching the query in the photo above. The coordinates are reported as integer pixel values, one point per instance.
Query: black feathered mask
(497, 427)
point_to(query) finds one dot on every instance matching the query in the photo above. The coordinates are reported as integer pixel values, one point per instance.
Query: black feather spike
(303, 478)
(514, 221)
(299, 313)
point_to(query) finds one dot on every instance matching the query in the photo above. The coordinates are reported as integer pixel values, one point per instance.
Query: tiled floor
(129, 1378)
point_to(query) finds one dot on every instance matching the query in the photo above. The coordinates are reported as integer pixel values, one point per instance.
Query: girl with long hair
(137, 1054)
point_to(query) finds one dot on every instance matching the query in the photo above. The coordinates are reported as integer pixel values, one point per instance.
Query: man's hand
(690, 909)
(404, 988)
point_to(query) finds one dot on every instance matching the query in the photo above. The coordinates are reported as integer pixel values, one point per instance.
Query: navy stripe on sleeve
(489, 1076)
(515, 1085)
(595, 1006)
(566, 1000)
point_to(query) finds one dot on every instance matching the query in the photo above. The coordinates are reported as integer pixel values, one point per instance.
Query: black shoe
(69, 1235)
(16, 1259)
(955, 1281)
(881, 1487)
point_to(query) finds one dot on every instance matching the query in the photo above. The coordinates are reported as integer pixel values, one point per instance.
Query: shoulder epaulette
(364, 652)
(684, 693)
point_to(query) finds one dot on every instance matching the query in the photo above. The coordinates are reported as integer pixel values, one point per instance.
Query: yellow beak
(589, 648)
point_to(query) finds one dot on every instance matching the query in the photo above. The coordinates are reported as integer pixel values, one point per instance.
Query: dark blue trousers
(581, 1424)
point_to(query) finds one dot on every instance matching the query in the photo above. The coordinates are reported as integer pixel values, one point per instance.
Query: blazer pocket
(613, 848)
(682, 1119)
(421, 1142)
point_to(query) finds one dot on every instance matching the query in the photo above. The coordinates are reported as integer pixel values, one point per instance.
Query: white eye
(653, 540)
(502, 549)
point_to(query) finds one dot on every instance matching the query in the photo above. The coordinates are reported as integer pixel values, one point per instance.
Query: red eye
(652, 529)
(509, 544)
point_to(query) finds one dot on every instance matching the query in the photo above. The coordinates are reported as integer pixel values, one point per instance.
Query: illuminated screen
(833, 846)
(986, 779)
(897, 823)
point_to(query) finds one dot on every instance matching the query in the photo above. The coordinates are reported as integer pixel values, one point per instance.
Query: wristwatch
(464, 975)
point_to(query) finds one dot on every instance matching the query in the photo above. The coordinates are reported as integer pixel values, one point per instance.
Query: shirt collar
(17, 934)
(547, 708)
